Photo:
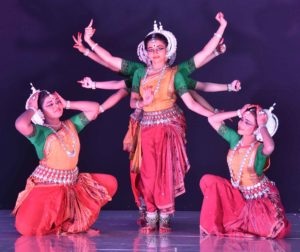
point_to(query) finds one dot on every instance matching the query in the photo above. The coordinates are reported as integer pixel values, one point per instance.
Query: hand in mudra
(87, 82)
(89, 31)
(235, 85)
(220, 18)
(78, 43)
(148, 96)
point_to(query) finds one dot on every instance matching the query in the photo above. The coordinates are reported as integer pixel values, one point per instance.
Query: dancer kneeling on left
(57, 199)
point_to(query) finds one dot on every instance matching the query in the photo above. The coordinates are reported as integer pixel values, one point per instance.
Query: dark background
(262, 38)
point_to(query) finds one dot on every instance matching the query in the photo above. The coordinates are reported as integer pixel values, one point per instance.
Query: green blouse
(40, 133)
(128, 69)
(179, 82)
(232, 137)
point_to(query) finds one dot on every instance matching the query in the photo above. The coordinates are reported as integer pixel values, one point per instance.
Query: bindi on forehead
(155, 43)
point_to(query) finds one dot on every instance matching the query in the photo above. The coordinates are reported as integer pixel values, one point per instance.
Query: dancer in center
(161, 144)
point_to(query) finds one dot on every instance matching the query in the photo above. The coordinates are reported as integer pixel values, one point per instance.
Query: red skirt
(164, 159)
(225, 211)
(51, 208)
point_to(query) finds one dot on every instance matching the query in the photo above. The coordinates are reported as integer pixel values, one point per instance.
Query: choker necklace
(236, 183)
(53, 125)
(71, 153)
(157, 69)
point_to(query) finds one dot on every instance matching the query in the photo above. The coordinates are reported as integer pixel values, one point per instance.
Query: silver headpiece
(272, 123)
(171, 48)
(38, 117)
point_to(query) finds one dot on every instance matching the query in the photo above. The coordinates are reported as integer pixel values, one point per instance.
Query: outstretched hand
(220, 18)
(78, 43)
(236, 85)
(87, 82)
(89, 31)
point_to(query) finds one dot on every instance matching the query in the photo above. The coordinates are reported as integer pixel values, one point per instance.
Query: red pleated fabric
(225, 212)
(48, 208)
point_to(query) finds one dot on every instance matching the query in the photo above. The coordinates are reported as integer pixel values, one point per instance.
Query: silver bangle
(229, 87)
(261, 126)
(101, 109)
(87, 52)
(32, 108)
(239, 113)
(93, 85)
(68, 104)
(94, 46)
(218, 35)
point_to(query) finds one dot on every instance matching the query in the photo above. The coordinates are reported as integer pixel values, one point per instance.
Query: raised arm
(201, 57)
(85, 51)
(220, 49)
(112, 62)
(268, 141)
(89, 108)
(23, 123)
(218, 119)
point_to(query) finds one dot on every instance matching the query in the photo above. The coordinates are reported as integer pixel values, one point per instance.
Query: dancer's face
(247, 124)
(52, 107)
(157, 51)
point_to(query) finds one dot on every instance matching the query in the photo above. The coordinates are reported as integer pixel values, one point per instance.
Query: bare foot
(164, 230)
(93, 232)
(147, 230)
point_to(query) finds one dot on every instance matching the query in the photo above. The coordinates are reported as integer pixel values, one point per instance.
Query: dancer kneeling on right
(248, 205)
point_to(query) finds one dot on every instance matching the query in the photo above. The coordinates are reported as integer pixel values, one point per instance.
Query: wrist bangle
(101, 109)
(137, 104)
(32, 108)
(68, 104)
(261, 126)
(229, 87)
(94, 46)
(86, 52)
(218, 35)
(93, 85)
(239, 114)
(216, 111)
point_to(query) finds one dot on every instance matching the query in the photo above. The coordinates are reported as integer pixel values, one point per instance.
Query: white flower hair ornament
(38, 117)
(272, 123)
(171, 47)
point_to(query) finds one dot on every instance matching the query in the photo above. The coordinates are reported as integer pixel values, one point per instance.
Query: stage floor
(119, 232)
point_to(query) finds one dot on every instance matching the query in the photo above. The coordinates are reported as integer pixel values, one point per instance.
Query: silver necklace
(71, 153)
(236, 183)
(144, 81)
